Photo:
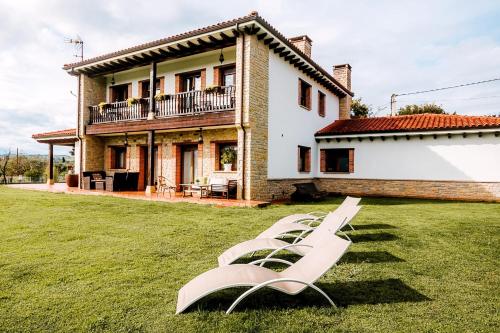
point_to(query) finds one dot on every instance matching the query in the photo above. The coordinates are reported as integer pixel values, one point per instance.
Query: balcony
(193, 103)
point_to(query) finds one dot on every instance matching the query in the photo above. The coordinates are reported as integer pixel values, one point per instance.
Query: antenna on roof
(78, 44)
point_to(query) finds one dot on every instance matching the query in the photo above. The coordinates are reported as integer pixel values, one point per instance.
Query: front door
(189, 164)
(143, 168)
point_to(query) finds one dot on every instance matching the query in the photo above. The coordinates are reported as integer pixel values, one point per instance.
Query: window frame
(144, 83)
(321, 104)
(307, 98)
(303, 163)
(324, 161)
(117, 163)
(216, 147)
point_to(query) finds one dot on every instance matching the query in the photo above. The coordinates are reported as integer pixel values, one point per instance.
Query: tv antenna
(78, 44)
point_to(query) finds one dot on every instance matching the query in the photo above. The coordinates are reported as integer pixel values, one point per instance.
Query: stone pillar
(252, 64)
(50, 179)
(151, 164)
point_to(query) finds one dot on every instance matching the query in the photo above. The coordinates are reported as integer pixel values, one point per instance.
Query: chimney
(303, 43)
(342, 73)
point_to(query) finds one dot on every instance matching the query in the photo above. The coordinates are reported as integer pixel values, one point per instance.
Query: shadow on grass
(375, 237)
(343, 294)
(374, 226)
(373, 257)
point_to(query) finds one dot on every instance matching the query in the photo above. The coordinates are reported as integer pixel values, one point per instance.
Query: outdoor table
(189, 189)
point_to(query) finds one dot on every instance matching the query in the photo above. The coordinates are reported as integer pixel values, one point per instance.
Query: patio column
(50, 179)
(150, 188)
(152, 91)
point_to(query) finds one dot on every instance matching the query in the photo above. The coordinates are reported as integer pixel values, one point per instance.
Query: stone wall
(447, 190)
(252, 63)
(283, 188)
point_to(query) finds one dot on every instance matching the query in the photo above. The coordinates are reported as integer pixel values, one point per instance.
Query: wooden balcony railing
(175, 105)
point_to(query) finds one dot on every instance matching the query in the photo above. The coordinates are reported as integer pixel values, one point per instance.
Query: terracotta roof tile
(411, 123)
(60, 133)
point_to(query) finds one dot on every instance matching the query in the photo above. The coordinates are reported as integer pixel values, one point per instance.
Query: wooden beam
(213, 39)
(279, 49)
(203, 42)
(191, 44)
(225, 37)
(173, 50)
(235, 32)
(268, 40)
(285, 53)
(182, 47)
(262, 35)
(294, 61)
(273, 45)
(290, 57)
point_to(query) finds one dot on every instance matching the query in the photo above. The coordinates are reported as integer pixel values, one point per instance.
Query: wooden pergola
(57, 138)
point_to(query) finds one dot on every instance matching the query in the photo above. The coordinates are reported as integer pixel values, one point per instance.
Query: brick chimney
(342, 73)
(303, 43)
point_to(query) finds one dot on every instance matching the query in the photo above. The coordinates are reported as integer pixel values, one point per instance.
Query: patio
(140, 195)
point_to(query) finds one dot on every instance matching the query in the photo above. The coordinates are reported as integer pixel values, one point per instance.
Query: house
(237, 85)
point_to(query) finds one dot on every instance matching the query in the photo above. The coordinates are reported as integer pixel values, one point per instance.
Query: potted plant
(227, 158)
(132, 100)
(212, 89)
(160, 97)
(102, 106)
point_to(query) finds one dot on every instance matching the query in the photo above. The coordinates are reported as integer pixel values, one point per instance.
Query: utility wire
(445, 88)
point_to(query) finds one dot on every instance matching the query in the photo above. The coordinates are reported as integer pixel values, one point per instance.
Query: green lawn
(88, 263)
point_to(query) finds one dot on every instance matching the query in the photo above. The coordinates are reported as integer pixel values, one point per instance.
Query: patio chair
(221, 187)
(301, 245)
(165, 185)
(293, 280)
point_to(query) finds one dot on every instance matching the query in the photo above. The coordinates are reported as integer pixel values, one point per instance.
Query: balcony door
(189, 163)
(119, 93)
(191, 81)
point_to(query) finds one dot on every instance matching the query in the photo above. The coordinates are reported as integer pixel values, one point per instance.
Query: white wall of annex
(291, 125)
(456, 159)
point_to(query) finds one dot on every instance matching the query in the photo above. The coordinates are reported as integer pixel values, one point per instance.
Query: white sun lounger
(292, 280)
(302, 244)
(317, 216)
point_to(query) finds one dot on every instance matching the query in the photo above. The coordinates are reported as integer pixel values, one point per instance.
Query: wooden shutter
(111, 97)
(298, 159)
(178, 81)
(203, 78)
(217, 76)
(308, 97)
(351, 160)
(308, 160)
(111, 157)
(129, 90)
(299, 92)
(162, 84)
(322, 160)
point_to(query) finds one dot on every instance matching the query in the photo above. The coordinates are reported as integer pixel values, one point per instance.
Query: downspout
(78, 133)
(240, 125)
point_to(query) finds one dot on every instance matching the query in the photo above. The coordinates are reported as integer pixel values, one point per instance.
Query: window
(304, 94)
(144, 88)
(304, 161)
(191, 81)
(119, 93)
(337, 160)
(218, 148)
(321, 104)
(228, 77)
(118, 157)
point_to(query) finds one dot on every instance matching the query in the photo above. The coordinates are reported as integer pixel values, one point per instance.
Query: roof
(223, 32)
(60, 133)
(410, 123)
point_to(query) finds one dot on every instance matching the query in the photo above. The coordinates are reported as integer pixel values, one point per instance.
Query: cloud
(393, 46)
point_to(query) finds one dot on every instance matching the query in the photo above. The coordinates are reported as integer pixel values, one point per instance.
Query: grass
(95, 264)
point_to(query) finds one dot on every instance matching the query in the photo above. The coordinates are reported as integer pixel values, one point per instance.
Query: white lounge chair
(292, 280)
(317, 216)
(302, 244)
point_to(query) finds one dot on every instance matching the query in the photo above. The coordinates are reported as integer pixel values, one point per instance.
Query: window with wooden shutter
(304, 159)
(321, 104)
(304, 94)
(339, 160)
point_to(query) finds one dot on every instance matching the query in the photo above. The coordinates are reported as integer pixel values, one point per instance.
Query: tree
(360, 109)
(420, 109)
(4, 161)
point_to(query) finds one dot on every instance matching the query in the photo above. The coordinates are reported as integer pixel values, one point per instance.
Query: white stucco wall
(461, 159)
(207, 60)
(291, 125)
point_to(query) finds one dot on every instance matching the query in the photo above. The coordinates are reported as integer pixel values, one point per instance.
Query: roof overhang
(59, 138)
(205, 39)
(406, 134)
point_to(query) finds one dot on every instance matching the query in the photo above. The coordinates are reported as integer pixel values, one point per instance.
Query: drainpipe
(80, 172)
(240, 125)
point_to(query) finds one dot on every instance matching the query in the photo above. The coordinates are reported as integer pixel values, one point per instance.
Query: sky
(392, 46)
